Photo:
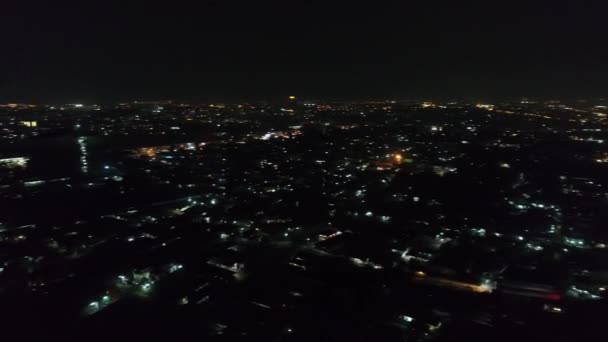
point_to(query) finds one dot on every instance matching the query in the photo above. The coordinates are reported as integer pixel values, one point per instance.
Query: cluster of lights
(485, 106)
(97, 305)
(175, 267)
(141, 284)
(575, 292)
(574, 242)
(602, 160)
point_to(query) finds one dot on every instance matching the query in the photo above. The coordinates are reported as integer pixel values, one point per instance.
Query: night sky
(230, 50)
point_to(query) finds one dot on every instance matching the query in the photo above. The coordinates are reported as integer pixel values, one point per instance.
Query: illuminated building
(12, 163)
(83, 154)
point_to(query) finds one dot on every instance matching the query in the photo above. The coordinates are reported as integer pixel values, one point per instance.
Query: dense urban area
(301, 220)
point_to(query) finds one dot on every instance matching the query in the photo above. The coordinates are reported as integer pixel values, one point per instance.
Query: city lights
(196, 205)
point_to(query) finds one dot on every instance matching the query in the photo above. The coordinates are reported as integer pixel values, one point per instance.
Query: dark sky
(205, 50)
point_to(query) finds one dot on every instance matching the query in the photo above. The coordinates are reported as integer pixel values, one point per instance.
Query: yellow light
(420, 274)
(485, 106)
(291, 97)
(29, 123)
